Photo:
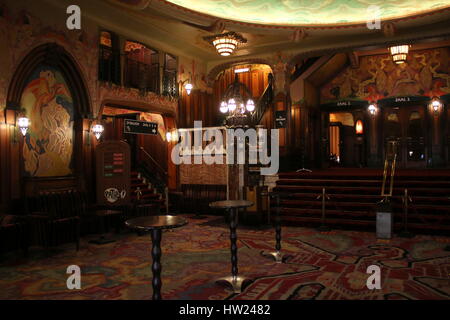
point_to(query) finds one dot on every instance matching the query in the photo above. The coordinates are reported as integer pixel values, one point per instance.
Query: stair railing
(389, 169)
(161, 169)
(161, 180)
(264, 102)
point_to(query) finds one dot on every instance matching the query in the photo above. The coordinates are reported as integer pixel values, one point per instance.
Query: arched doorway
(407, 126)
(48, 88)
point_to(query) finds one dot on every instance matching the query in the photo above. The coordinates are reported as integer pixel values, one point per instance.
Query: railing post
(323, 227)
(406, 199)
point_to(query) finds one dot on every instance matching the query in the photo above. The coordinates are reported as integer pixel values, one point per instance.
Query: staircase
(148, 194)
(354, 193)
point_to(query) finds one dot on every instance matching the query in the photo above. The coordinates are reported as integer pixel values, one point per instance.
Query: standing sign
(280, 119)
(113, 173)
(140, 127)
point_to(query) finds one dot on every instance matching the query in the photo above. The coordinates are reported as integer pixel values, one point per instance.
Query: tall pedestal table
(155, 224)
(232, 207)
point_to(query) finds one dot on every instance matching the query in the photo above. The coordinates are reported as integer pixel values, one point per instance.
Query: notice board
(113, 173)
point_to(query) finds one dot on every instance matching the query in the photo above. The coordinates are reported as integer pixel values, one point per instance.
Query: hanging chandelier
(399, 53)
(226, 43)
(238, 104)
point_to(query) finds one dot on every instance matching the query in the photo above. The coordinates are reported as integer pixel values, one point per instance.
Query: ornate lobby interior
(348, 99)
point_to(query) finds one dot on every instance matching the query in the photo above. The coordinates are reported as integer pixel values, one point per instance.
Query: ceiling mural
(306, 12)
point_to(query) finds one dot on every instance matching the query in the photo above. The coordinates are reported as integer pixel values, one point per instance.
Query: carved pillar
(282, 102)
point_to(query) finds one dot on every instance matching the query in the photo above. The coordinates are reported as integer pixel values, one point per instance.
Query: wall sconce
(373, 109)
(187, 84)
(12, 111)
(436, 105)
(359, 127)
(98, 129)
(172, 136)
(23, 123)
(188, 87)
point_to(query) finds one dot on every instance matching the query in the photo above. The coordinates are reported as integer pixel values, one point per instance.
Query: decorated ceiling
(306, 12)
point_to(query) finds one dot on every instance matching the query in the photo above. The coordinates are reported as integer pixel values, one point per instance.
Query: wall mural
(48, 145)
(426, 73)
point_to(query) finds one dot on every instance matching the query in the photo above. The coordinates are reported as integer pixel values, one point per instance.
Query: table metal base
(276, 255)
(102, 240)
(237, 283)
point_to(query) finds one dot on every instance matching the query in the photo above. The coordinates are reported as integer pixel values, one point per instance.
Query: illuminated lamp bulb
(231, 105)
(250, 105)
(223, 107)
(372, 109)
(436, 104)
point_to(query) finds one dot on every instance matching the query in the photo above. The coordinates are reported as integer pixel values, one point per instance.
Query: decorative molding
(151, 102)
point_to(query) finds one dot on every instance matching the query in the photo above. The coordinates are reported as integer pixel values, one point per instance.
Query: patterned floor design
(324, 266)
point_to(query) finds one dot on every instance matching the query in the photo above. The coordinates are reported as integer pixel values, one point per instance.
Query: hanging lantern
(226, 43)
(23, 123)
(98, 130)
(399, 53)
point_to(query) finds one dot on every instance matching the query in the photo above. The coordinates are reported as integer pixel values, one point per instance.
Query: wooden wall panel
(196, 107)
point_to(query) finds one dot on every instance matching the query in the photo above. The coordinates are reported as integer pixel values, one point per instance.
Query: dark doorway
(406, 125)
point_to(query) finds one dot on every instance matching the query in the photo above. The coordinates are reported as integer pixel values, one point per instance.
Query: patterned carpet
(324, 266)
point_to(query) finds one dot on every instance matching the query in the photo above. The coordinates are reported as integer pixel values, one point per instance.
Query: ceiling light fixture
(238, 102)
(226, 43)
(241, 70)
(399, 53)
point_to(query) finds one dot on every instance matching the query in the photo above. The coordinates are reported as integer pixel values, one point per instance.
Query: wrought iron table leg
(235, 281)
(156, 264)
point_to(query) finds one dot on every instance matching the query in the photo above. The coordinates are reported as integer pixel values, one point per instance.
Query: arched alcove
(48, 87)
(51, 54)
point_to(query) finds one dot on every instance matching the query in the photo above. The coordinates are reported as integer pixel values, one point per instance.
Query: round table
(232, 207)
(156, 224)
